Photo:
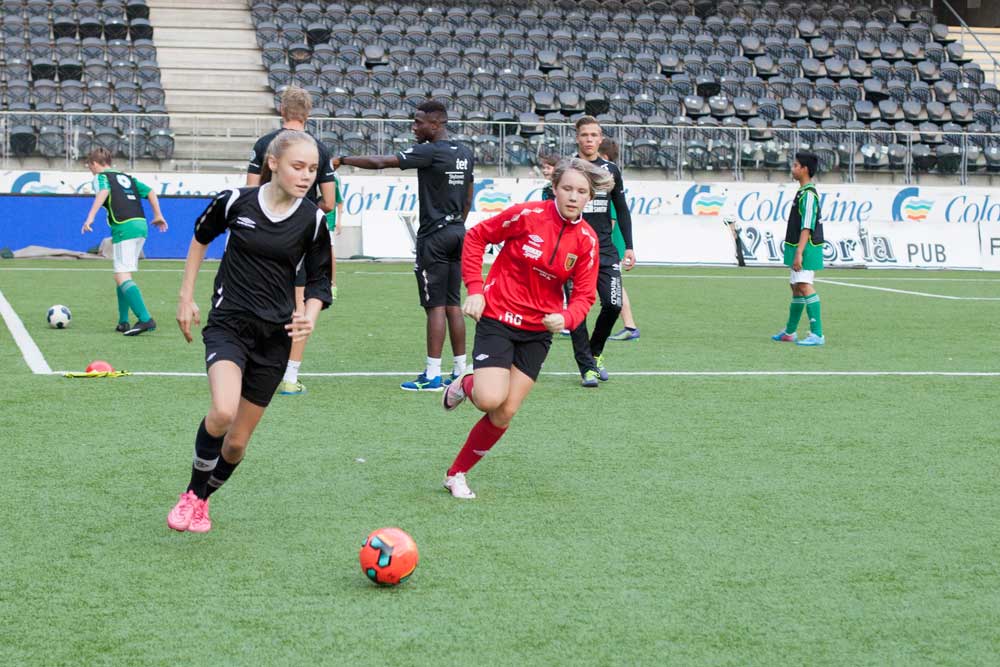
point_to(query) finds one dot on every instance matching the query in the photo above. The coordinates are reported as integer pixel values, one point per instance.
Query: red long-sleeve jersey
(541, 251)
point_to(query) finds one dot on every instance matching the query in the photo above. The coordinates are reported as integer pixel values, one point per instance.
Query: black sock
(633, 329)
(223, 470)
(207, 451)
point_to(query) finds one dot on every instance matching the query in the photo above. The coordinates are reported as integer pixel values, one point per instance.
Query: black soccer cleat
(123, 327)
(142, 327)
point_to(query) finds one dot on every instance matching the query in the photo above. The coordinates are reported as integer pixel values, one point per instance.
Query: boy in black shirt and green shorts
(121, 195)
(804, 254)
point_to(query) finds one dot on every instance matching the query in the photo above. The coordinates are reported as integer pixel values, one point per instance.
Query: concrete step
(224, 125)
(203, 101)
(225, 59)
(207, 38)
(243, 80)
(225, 19)
(155, 5)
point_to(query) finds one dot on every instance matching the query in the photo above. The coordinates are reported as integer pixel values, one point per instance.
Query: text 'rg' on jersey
(263, 253)
(541, 251)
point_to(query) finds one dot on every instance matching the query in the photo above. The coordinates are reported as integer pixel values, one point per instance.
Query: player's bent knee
(221, 417)
(487, 400)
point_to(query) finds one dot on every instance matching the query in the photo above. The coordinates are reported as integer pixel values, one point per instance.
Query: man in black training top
(295, 107)
(589, 352)
(444, 178)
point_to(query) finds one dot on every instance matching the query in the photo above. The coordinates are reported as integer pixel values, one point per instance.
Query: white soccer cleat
(457, 486)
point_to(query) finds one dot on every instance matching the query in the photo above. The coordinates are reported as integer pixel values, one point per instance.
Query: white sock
(292, 371)
(459, 366)
(433, 368)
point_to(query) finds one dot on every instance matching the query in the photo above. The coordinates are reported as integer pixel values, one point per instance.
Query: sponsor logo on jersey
(536, 239)
(544, 274)
(243, 221)
(570, 261)
(123, 180)
(461, 165)
(531, 252)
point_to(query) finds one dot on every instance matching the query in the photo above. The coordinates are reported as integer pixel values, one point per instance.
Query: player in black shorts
(273, 230)
(444, 178)
(295, 107)
(589, 352)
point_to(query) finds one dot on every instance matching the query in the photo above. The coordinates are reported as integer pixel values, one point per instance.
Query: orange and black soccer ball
(388, 556)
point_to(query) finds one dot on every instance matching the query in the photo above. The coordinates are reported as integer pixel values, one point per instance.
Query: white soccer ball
(59, 317)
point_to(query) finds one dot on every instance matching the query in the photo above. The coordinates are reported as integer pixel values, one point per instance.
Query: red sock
(467, 384)
(481, 438)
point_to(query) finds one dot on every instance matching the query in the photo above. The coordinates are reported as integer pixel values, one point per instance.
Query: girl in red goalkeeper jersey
(520, 304)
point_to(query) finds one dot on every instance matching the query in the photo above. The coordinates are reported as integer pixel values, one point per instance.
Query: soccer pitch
(723, 499)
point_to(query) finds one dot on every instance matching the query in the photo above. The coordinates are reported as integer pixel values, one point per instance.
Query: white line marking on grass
(903, 291)
(32, 355)
(685, 276)
(355, 374)
(97, 270)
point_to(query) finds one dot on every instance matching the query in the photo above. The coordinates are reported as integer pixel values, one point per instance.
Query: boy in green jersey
(804, 254)
(331, 223)
(121, 195)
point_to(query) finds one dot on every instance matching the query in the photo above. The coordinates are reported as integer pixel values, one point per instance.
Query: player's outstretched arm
(99, 200)
(367, 161)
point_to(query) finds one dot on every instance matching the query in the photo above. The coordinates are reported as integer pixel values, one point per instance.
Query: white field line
(678, 276)
(910, 292)
(32, 355)
(355, 374)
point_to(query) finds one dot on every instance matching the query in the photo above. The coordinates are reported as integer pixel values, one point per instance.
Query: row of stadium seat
(68, 69)
(17, 95)
(565, 37)
(89, 48)
(56, 9)
(642, 15)
(64, 26)
(54, 141)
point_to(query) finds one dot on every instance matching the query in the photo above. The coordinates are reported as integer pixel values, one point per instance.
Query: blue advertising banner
(54, 221)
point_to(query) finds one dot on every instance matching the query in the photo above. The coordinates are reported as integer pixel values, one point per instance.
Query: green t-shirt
(123, 204)
(331, 216)
(616, 233)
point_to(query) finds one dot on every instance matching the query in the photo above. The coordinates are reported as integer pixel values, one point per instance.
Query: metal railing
(220, 143)
(966, 30)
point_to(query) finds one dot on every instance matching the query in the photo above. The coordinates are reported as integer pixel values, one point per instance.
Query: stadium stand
(81, 71)
(788, 73)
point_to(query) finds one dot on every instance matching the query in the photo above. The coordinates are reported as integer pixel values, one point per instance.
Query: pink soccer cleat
(784, 337)
(200, 521)
(180, 516)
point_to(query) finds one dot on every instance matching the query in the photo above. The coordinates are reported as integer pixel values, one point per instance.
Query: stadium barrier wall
(877, 226)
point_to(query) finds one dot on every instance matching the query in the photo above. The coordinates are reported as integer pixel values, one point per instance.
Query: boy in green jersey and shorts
(804, 254)
(121, 195)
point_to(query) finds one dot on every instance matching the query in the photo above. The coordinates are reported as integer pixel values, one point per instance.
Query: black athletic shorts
(259, 348)
(439, 267)
(499, 345)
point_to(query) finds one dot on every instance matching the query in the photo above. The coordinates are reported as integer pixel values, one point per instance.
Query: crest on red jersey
(570, 261)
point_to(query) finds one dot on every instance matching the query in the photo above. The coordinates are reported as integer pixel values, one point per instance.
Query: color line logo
(701, 200)
(909, 207)
(488, 199)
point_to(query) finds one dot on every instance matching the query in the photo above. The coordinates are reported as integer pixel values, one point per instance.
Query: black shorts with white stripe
(439, 267)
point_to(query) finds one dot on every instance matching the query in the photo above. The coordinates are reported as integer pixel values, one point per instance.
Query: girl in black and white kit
(273, 230)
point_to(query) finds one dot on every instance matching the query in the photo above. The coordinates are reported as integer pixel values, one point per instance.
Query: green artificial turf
(658, 520)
